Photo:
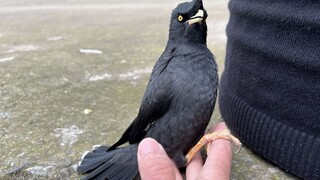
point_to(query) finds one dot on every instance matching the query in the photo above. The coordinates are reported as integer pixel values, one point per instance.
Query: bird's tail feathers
(120, 163)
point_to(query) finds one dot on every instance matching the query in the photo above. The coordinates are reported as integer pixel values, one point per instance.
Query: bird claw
(226, 135)
(207, 138)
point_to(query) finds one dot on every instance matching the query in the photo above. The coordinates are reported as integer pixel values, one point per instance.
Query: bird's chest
(191, 72)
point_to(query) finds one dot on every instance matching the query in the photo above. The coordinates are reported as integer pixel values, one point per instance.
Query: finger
(218, 163)
(153, 162)
(219, 127)
(177, 172)
(194, 167)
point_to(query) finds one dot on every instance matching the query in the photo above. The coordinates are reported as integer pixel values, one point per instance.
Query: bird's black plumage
(177, 104)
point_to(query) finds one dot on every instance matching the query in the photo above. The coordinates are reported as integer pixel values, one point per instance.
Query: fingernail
(149, 145)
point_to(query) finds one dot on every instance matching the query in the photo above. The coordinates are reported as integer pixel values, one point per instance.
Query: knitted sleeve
(270, 89)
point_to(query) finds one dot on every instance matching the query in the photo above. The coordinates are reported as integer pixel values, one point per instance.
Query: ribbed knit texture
(270, 89)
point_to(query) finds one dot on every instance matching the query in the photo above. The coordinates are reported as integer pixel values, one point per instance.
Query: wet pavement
(72, 74)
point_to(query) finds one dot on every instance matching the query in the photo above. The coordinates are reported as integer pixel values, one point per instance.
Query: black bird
(177, 104)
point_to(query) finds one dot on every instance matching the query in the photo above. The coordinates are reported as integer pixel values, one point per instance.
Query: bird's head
(188, 23)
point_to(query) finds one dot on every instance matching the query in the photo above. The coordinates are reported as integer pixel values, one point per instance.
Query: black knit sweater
(270, 89)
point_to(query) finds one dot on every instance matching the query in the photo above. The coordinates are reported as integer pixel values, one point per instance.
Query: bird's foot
(207, 138)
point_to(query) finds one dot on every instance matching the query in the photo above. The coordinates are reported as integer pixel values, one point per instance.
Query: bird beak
(197, 18)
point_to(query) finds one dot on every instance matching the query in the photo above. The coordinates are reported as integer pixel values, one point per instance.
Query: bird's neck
(179, 42)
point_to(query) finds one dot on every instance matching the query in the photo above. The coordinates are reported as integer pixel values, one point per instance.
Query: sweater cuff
(291, 149)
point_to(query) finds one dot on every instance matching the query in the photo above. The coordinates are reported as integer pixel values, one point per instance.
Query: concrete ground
(72, 74)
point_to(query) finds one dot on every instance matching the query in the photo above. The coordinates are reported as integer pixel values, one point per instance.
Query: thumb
(153, 161)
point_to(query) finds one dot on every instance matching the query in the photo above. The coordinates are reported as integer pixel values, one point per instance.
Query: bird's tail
(120, 163)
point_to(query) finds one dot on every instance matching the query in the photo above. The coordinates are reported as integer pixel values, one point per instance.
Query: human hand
(155, 164)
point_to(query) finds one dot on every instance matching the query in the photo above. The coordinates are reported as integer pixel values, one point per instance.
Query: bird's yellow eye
(180, 18)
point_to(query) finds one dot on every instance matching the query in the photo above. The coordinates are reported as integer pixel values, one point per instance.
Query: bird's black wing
(156, 101)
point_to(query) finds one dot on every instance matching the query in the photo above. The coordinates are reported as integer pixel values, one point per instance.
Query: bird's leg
(207, 138)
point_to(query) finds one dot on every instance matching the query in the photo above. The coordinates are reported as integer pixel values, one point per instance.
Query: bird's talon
(239, 149)
(207, 138)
